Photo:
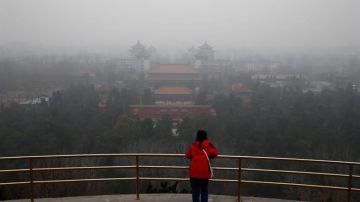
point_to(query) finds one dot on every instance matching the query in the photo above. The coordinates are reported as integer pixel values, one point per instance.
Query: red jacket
(199, 164)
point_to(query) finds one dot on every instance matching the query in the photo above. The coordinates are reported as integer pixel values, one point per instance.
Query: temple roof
(173, 69)
(204, 52)
(205, 46)
(139, 50)
(240, 88)
(169, 90)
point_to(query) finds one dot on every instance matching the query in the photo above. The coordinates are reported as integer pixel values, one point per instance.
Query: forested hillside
(285, 123)
(278, 123)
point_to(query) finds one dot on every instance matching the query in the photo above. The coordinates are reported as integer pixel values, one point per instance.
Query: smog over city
(128, 89)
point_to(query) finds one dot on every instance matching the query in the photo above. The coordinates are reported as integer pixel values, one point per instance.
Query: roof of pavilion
(173, 69)
(171, 90)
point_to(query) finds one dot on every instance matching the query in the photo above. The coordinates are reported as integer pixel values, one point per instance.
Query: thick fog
(259, 78)
(164, 23)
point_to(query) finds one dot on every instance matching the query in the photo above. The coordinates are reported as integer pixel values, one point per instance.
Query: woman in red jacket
(199, 153)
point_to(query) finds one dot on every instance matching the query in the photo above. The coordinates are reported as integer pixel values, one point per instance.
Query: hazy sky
(181, 23)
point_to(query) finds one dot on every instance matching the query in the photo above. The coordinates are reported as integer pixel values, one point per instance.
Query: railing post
(349, 192)
(31, 172)
(137, 178)
(239, 181)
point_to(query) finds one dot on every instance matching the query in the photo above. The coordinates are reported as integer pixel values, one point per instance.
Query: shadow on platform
(150, 198)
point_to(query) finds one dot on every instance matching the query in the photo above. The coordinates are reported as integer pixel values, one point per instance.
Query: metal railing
(31, 169)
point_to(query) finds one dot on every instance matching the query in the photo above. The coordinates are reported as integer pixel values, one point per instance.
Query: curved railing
(137, 166)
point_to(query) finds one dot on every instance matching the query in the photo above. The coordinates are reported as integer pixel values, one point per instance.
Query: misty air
(169, 100)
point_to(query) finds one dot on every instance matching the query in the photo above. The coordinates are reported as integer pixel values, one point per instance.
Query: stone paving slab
(151, 198)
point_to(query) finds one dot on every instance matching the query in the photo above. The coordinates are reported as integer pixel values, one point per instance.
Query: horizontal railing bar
(294, 172)
(225, 168)
(283, 171)
(14, 183)
(94, 167)
(291, 159)
(294, 184)
(68, 168)
(183, 179)
(91, 155)
(14, 170)
(164, 178)
(255, 170)
(164, 167)
(181, 167)
(83, 180)
(181, 155)
(223, 180)
(83, 168)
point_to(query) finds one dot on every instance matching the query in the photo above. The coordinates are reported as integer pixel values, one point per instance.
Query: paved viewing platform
(151, 198)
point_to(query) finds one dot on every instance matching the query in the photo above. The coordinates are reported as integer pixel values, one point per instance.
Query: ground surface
(151, 198)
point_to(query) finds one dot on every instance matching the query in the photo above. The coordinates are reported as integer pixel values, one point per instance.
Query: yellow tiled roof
(175, 69)
(239, 88)
(173, 90)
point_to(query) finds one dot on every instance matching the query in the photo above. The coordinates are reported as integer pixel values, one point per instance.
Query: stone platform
(151, 198)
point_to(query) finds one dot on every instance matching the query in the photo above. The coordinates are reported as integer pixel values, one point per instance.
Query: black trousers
(199, 187)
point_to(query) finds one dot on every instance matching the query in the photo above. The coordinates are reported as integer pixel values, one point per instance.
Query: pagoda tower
(205, 52)
(141, 53)
(202, 54)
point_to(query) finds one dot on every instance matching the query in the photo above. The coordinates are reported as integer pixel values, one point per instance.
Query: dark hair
(201, 135)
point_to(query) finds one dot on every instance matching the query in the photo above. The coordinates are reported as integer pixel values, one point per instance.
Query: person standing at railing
(200, 171)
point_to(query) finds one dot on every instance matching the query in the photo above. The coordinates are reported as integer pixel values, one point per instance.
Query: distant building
(280, 80)
(241, 91)
(142, 54)
(259, 66)
(103, 91)
(130, 63)
(173, 86)
(139, 51)
(128, 74)
(210, 69)
(102, 88)
(276, 77)
(172, 75)
(173, 95)
(316, 87)
(204, 52)
(103, 102)
(342, 81)
(35, 101)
